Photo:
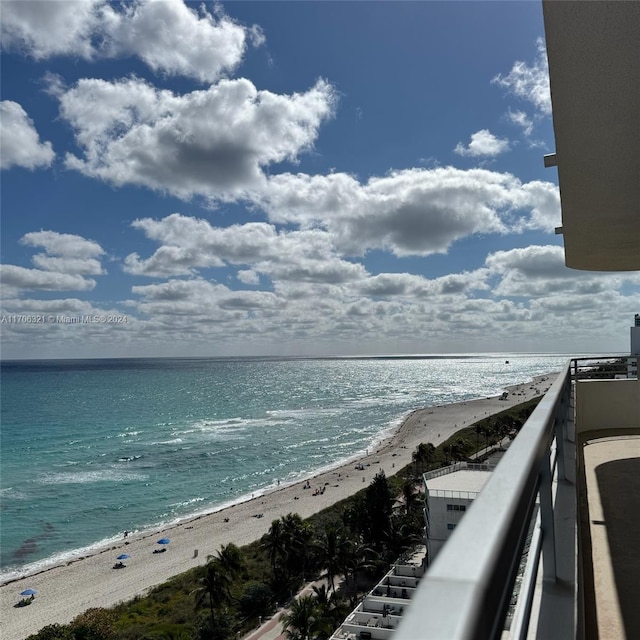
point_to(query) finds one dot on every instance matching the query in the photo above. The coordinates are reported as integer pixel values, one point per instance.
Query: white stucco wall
(607, 404)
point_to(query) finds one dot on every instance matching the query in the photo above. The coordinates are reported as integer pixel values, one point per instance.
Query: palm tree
(230, 562)
(288, 543)
(478, 429)
(231, 559)
(411, 498)
(330, 613)
(274, 543)
(423, 455)
(488, 433)
(362, 558)
(402, 536)
(324, 598)
(379, 505)
(220, 571)
(457, 449)
(297, 538)
(215, 585)
(334, 550)
(302, 619)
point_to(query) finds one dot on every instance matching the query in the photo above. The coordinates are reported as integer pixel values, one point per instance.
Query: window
(456, 507)
(450, 526)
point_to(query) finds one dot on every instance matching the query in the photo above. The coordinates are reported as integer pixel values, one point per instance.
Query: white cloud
(171, 38)
(168, 35)
(530, 82)
(257, 35)
(21, 278)
(542, 200)
(19, 139)
(416, 287)
(483, 143)
(249, 276)
(540, 271)
(85, 266)
(302, 268)
(42, 28)
(189, 244)
(65, 253)
(198, 298)
(411, 212)
(169, 261)
(66, 260)
(214, 142)
(63, 244)
(521, 119)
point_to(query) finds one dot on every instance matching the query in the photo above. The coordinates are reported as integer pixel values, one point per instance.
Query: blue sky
(287, 178)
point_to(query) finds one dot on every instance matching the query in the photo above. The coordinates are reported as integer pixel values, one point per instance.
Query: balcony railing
(529, 504)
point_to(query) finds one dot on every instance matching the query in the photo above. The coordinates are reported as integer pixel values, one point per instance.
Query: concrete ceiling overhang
(593, 49)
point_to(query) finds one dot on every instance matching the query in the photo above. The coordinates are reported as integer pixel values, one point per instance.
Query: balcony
(378, 615)
(549, 548)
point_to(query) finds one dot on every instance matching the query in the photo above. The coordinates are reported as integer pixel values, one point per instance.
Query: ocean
(90, 448)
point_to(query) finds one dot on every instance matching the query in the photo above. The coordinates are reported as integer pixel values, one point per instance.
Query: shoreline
(67, 589)
(61, 559)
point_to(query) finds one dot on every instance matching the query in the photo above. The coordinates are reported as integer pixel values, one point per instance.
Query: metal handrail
(466, 591)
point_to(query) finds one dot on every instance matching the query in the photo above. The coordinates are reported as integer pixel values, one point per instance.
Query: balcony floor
(612, 473)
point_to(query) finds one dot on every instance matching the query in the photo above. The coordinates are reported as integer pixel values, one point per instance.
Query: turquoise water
(93, 447)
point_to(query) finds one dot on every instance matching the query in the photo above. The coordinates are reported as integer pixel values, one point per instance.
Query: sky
(286, 178)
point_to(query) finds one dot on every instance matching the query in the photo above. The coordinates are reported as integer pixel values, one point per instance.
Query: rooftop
(466, 480)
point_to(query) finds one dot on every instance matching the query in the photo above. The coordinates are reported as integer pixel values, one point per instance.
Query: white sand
(68, 590)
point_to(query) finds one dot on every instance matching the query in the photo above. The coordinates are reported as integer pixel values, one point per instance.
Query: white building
(632, 369)
(380, 612)
(449, 493)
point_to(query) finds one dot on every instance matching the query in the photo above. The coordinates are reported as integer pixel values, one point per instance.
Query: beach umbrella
(164, 541)
(123, 556)
(28, 592)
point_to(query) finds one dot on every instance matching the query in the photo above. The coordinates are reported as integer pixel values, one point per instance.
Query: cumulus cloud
(65, 253)
(200, 298)
(483, 143)
(530, 82)
(411, 212)
(393, 285)
(41, 28)
(540, 271)
(21, 278)
(67, 259)
(172, 38)
(248, 276)
(542, 200)
(20, 141)
(63, 244)
(214, 142)
(168, 35)
(302, 268)
(189, 244)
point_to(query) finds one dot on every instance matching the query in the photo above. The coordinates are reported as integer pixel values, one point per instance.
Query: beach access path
(64, 592)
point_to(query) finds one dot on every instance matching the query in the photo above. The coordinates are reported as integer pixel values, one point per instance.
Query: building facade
(449, 493)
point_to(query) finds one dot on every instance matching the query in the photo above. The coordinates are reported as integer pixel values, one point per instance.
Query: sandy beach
(65, 591)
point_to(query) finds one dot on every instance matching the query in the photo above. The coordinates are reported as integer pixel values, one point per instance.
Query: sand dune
(66, 591)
